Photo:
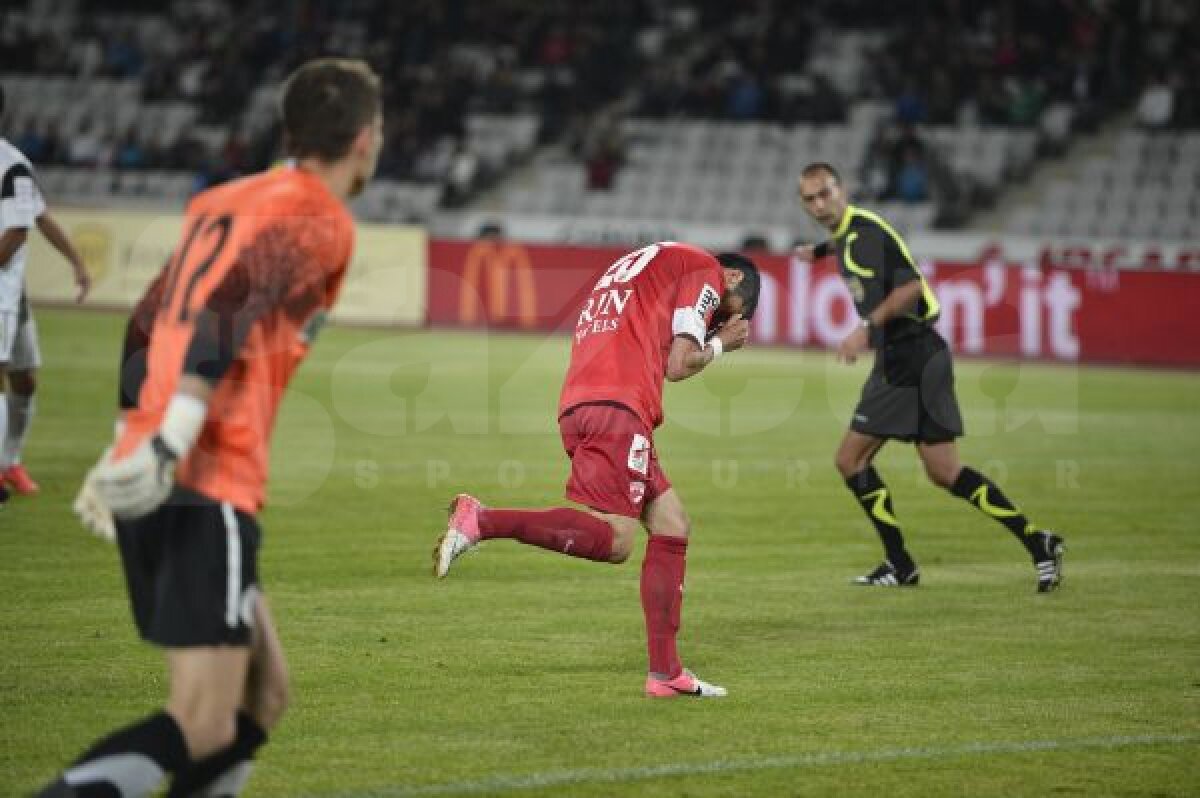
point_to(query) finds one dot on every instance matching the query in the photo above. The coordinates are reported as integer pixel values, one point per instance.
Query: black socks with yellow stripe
(971, 486)
(876, 501)
(991, 501)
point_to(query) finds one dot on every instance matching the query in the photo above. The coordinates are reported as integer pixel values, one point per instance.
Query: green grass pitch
(521, 673)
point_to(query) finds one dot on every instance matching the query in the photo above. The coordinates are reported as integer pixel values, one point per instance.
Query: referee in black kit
(909, 395)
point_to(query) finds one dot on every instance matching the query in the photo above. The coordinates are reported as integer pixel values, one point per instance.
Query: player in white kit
(21, 207)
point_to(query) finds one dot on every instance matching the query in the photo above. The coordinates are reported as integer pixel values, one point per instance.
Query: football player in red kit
(662, 312)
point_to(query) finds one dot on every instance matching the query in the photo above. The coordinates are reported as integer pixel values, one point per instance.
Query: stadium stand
(931, 133)
(187, 89)
(700, 110)
(1148, 187)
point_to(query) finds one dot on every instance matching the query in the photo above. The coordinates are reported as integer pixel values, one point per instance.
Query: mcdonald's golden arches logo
(490, 267)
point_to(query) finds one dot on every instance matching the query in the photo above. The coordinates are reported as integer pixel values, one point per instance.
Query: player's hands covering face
(734, 333)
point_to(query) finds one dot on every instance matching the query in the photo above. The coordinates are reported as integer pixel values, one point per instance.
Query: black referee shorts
(191, 568)
(909, 395)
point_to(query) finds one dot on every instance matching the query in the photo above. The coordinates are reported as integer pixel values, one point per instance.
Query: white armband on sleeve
(687, 321)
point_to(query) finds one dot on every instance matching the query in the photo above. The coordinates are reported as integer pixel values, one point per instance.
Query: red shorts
(614, 467)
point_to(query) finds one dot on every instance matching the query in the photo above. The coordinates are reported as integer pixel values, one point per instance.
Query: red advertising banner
(509, 285)
(990, 307)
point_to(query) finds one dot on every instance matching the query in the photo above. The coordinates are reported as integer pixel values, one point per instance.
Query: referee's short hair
(325, 104)
(817, 167)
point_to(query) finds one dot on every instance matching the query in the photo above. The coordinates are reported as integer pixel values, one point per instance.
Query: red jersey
(627, 323)
(273, 248)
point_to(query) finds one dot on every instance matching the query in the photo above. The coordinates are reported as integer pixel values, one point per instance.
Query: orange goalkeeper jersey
(259, 263)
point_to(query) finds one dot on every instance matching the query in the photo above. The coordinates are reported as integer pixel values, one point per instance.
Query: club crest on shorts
(637, 492)
(639, 455)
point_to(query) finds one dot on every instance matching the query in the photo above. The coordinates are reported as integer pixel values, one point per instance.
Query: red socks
(580, 534)
(662, 600)
(562, 529)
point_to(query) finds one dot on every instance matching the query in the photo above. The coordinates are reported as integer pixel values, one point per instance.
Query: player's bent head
(332, 110)
(742, 283)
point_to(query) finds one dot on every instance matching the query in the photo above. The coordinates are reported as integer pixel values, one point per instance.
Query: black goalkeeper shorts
(191, 567)
(909, 394)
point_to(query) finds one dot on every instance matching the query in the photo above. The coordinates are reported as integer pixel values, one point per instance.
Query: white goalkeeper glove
(91, 510)
(138, 483)
(93, 513)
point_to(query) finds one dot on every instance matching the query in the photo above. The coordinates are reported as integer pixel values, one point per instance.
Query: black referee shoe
(887, 575)
(4, 494)
(1049, 562)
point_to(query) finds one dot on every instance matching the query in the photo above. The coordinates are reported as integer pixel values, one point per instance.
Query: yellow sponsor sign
(125, 250)
(387, 280)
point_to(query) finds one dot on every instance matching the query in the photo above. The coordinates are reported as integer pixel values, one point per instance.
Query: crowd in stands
(438, 61)
(1003, 64)
(940, 62)
(746, 61)
(934, 62)
(937, 63)
(92, 146)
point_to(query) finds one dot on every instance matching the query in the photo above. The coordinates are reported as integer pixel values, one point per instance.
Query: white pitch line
(558, 778)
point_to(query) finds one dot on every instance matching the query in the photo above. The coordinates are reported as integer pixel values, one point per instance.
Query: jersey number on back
(627, 267)
(215, 233)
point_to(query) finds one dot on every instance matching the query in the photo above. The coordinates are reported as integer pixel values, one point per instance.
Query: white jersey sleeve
(21, 201)
(21, 204)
